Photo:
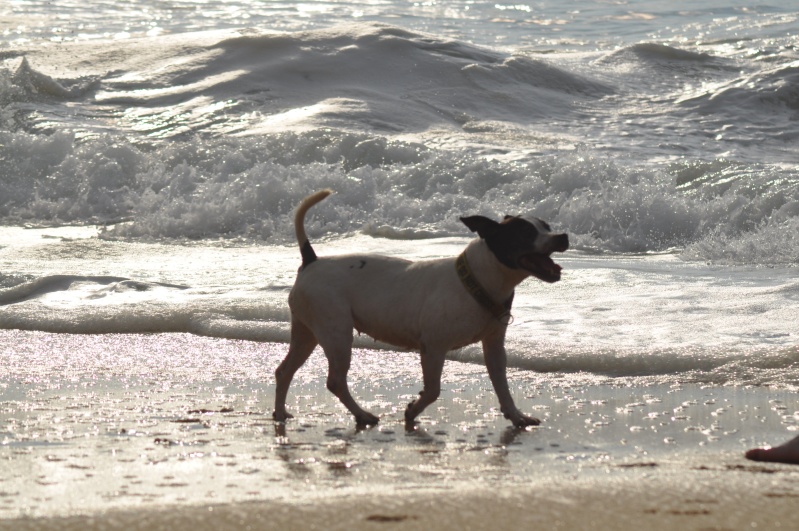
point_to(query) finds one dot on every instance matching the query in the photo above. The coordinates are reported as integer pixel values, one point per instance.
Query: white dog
(432, 306)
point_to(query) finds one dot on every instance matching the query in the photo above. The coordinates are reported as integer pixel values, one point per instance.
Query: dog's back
(389, 299)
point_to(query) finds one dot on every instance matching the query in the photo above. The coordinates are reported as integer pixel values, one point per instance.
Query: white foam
(248, 187)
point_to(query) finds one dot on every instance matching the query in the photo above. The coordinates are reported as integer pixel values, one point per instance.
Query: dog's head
(520, 243)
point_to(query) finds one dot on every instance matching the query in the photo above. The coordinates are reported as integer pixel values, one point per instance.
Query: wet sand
(175, 431)
(631, 504)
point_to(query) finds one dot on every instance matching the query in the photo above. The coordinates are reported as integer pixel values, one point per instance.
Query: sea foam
(248, 187)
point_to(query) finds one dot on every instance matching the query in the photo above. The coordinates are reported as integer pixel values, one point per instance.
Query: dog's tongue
(554, 269)
(541, 266)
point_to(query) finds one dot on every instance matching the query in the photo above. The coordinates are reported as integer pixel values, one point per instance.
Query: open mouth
(540, 266)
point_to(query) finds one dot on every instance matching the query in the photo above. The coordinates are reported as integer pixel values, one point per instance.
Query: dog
(432, 306)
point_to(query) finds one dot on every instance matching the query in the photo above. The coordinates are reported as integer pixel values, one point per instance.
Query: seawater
(152, 154)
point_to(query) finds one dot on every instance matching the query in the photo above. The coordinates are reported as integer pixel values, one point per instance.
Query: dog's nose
(560, 242)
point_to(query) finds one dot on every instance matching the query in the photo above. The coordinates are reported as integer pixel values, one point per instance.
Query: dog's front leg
(432, 367)
(496, 360)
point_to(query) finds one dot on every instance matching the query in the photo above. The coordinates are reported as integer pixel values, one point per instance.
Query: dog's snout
(560, 242)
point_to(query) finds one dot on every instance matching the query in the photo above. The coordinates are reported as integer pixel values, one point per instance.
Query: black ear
(483, 226)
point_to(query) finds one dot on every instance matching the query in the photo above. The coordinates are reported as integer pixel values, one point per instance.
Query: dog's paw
(526, 421)
(366, 419)
(410, 416)
(522, 421)
(282, 416)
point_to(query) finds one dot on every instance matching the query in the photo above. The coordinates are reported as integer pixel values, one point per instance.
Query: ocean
(153, 152)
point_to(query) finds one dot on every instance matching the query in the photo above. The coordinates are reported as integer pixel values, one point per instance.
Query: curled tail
(306, 251)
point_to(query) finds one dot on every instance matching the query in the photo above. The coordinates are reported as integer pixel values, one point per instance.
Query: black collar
(501, 312)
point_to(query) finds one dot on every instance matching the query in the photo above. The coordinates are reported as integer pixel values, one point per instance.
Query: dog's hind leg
(432, 367)
(338, 350)
(302, 344)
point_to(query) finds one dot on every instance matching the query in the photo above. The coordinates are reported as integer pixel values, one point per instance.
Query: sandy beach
(737, 499)
(175, 431)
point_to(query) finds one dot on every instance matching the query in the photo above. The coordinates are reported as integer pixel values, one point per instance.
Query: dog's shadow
(306, 447)
(414, 429)
(508, 436)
